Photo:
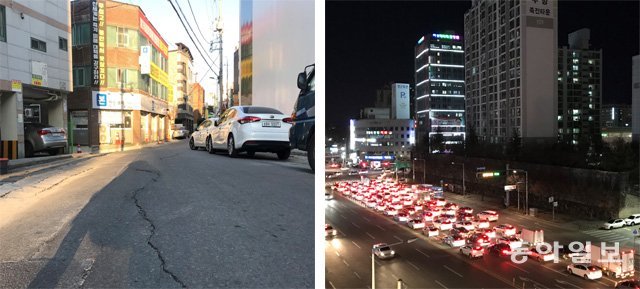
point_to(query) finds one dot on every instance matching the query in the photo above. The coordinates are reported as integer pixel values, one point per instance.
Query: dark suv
(302, 132)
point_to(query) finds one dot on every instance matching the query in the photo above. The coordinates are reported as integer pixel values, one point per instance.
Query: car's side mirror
(302, 81)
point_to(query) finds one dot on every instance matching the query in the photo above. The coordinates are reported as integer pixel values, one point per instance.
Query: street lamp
(526, 189)
(424, 166)
(464, 191)
(373, 260)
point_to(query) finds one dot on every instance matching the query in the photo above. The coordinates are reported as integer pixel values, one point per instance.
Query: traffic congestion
(474, 234)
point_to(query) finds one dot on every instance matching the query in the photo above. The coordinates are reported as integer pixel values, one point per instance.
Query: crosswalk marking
(608, 236)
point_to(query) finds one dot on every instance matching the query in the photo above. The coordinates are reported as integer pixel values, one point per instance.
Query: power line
(196, 21)
(191, 28)
(188, 34)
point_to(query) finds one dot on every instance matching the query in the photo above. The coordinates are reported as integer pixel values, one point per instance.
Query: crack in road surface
(143, 214)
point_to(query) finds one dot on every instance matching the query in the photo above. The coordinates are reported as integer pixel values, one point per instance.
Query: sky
(369, 44)
(165, 20)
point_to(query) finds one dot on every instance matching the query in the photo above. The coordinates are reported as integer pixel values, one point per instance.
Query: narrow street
(164, 217)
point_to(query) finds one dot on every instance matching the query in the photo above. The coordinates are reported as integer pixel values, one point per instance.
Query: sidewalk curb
(36, 169)
(38, 161)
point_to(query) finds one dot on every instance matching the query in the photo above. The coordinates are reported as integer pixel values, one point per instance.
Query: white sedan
(249, 129)
(585, 270)
(613, 224)
(416, 224)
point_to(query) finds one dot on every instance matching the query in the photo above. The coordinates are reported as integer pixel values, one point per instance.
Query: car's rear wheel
(311, 152)
(192, 145)
(28, 149)
(231, 147)
(585, 276)
(54, 152)
(209, 146)
(283, 155)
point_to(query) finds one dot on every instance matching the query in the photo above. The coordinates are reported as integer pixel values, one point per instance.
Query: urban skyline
(384, 48)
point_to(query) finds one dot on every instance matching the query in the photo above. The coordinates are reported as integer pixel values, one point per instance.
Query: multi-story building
(196, 100)
(439, 93)
(510, 70)
(121, 84)
(374, 113)
(579, 90)
(635, 100)
(381, 139)
(616, 115)
(180, 74)
(35, 69)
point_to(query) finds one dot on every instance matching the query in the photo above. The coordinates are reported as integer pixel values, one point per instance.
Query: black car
(302, 132)
(628, 284)
(500, 249)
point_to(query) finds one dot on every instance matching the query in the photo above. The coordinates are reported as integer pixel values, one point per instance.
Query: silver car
(39, 137)
(383, 251)
(180, 133)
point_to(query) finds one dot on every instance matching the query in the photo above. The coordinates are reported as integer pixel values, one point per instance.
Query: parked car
(383, 251)
(250, 129)
(614, 224)
(472, 251)
(199, 136)
(180, 133)
(39, 137)
(632, 220)
(585, 270)
(302, 133)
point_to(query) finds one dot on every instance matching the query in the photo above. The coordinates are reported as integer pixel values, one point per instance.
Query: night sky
(369, 44)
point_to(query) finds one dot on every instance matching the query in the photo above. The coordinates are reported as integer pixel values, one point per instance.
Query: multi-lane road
(427, 263)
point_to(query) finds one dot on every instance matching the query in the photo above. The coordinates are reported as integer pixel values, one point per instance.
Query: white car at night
(249, 129)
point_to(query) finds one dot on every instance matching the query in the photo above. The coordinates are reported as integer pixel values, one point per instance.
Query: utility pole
(219, 29)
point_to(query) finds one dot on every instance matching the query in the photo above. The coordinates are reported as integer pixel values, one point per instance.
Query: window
(80, 34)
(123, 37)
(62, 43)
(38, 45)
(3, 25)
(81, 76)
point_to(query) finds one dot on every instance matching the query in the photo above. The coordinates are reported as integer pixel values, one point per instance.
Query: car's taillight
(287, 120)
(43, 132)
(248, 119)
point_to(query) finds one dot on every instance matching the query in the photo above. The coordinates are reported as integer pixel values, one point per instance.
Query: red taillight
(248, 119)
(287, 120)
(43, 132)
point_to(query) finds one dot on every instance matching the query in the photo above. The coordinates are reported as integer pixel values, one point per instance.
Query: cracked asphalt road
(164, 217)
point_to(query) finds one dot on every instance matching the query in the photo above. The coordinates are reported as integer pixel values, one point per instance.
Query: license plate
(271, 124)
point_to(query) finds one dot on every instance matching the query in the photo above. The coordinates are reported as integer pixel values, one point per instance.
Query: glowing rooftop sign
(421, 39)
(445, 36)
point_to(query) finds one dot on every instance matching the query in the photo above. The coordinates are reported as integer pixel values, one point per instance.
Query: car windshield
(385, 248)
(611, 221)
(259, 109)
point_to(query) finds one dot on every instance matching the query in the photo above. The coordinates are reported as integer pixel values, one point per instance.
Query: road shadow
(106, 235)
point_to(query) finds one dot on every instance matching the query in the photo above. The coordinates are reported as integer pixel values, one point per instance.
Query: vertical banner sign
(98, 24)
(102, 36)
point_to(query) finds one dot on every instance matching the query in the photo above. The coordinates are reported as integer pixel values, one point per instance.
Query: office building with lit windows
(510, 50)
(381, 139)
(579, 90)
(120, 77)
(439, 88)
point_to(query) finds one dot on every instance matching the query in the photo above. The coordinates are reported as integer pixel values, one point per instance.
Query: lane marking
(398, 238)
(342, 215)
(345, 262)
(366, 219)
(355, 225)
(445, 287)
(356, 244)
(372, 237)
(381, 228)
(334, 287)
(337, 253)
(554, 270)
(514, 266)
(423, 253)
(354, 272)
(452, 271)
(394, 276)
(414, 266)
